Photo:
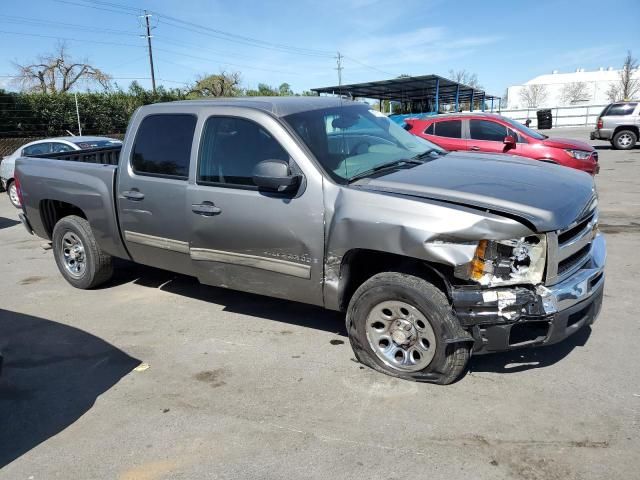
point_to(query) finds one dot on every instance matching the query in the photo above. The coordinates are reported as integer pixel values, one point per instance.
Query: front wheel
(80, 259)
(12, 192)
(402, 325)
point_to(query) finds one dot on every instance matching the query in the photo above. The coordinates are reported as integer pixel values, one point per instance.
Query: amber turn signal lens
(477, 264)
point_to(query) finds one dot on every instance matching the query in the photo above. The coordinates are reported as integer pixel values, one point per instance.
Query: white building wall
(598, 82)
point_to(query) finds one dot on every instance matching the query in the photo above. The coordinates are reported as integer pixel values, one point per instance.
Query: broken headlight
(507, 262)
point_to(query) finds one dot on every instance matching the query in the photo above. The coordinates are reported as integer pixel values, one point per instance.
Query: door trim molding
(157, 242)
(263, 263)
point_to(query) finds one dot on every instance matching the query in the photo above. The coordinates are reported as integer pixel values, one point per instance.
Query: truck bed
(103, 156)
(85, 179)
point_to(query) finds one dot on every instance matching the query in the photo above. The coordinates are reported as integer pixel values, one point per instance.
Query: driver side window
(231, 147)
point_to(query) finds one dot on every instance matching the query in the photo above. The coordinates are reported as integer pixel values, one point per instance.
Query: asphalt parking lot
(155, 376)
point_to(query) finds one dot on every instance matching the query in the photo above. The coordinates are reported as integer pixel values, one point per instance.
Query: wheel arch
(631, 128)
(358, 265)
(52, 211)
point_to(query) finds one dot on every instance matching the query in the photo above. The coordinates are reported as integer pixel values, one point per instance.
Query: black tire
(450, 359)
(628, 139)
(15, 203)
(98, 265)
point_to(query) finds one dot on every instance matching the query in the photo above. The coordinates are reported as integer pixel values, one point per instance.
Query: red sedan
(487, 132)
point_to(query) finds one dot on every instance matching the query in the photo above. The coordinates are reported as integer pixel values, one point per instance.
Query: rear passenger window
(163, 145)
(450, 129)
(485, 130)
(231, 147)
(37, 149)
(620, 109)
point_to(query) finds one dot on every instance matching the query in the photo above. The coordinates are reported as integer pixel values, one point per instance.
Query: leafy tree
(58, 72)
(284, 90)
(221, 85)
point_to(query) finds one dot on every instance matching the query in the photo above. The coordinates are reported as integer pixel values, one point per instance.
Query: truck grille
(569, 249)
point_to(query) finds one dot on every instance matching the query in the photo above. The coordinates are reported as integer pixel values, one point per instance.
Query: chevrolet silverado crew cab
(433, 255)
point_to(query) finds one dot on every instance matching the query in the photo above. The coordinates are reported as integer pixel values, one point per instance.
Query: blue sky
(504, 43)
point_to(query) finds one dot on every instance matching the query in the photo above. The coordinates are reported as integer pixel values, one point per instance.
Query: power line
(56, 37)
(48, 23)
(369, 66)
(205, 30)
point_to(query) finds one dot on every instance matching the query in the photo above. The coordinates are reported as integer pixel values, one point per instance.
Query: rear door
(151, 190)
(488, 136)
(245, 239)
(447, 134)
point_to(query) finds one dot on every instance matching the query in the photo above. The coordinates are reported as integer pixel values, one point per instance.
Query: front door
(152, 191)
(245, 239)
(488, 136)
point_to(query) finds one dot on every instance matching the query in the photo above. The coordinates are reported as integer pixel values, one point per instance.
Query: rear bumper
(509, 318)
(602, 134)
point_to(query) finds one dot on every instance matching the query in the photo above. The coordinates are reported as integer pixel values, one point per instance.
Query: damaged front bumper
(506, 318)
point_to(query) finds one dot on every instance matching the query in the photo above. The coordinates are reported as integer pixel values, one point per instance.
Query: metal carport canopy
(407, 89)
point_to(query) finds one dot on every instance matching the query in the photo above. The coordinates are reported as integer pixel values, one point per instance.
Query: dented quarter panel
(429, 230)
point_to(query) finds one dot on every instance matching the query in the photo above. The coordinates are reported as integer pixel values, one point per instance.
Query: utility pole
(78, 114)
(148, 36)
(339, 68)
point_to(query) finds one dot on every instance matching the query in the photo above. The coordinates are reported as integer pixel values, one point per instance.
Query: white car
(48, 145)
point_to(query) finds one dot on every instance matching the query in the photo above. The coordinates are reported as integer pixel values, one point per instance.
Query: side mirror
(509, 140)
(275, 176)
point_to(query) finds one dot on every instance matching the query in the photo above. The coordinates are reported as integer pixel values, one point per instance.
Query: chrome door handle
(133, 195)
(474, 148)
(207, 209)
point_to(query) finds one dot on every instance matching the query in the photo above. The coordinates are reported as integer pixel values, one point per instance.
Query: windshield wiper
(386, 166)
(427, 153)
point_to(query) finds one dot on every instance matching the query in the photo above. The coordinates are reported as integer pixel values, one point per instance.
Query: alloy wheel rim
(401, 336)
(13, 194)
(73, 253)
(624, 140)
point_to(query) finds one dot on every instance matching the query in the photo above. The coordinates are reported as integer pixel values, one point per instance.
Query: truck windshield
(353, 139)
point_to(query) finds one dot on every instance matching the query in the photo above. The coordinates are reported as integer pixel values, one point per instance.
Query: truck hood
(567, 143)
(549, 197)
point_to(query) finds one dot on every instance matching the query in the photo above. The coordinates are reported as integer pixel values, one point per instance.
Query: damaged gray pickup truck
(433, 255)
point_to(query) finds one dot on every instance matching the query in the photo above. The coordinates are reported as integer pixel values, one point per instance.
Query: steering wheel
(356, 147)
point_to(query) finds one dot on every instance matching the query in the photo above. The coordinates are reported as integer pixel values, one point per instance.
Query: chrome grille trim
(558, 251)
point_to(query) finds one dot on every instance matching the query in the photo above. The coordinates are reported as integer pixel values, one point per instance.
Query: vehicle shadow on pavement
(529, 358)
(7, 222)
(52, 375)
(294, 313)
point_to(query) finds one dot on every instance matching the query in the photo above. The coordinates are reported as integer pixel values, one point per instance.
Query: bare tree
(626, 87)
(58, 72)
(221, 85)
(575, 92)
(466, 78)
(534, 95)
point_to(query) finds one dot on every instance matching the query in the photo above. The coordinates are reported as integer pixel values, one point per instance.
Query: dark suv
(619, 123)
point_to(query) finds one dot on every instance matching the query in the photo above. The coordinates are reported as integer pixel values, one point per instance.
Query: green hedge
(43, 115)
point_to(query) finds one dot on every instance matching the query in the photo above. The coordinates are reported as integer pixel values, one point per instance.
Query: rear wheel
(79, 258)
(12, 192)
(624, 140)
(402, 325)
